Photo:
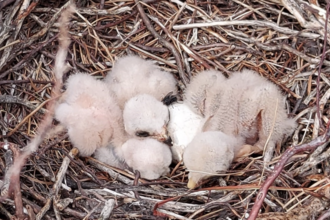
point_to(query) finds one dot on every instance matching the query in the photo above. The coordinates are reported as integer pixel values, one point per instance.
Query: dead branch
(13, 173)
(293, 150)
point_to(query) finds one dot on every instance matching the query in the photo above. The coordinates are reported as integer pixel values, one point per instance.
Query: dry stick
(22, 13)
(56, 187)
(189, 51)
(326, 214)
(280, 165)
(14, 171)
(107, 209)
(16, 100)
(16, 192)
(267, 24)
(33, 38)
(163, 42)
(320, 66)
(5, 3)
(26, 58)
(27, 117)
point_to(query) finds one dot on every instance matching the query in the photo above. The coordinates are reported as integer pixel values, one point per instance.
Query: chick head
(149, 156)
(208, 153)
(145, 116)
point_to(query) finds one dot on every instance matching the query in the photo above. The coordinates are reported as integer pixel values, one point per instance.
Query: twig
(26, 58)
(320, 66)
(27, 117)
(16, 100)
(113, 174)
(59, 179)
(279, 167)
(163, 42)
(326, 214)
(5, 3)
(14, 171)
(250, 23)
(107, 209)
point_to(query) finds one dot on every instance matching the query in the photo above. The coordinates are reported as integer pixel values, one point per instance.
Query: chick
(253, 108)
(132, 75)
(144, 116)
(91, 114)
(149, 156)
(245, 105)
(139, 86)
(208, 153)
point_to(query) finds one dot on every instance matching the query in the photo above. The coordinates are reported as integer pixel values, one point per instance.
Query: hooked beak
(163, 136)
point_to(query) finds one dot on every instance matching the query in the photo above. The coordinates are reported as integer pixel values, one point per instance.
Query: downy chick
(144, 116)
(90, 113)
(208, 153)
(203, 93)
(144, 120)
(245, 105)
(149, 156)
(252, 108)
(132, 75)
(139, 86)
(247, 108)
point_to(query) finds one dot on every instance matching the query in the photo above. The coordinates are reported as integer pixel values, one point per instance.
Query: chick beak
(168, 141)
(163, 136)
(191, 184)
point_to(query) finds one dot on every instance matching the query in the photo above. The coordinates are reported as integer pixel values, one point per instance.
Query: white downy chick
(208, 153)
(132, 75)
(150, 157)
(90, 113)
(252, 108)
(144, 116)
(183, 126)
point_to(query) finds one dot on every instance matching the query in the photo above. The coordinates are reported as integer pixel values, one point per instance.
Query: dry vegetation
(282, 40)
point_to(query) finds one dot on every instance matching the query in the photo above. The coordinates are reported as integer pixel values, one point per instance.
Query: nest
(281, 40)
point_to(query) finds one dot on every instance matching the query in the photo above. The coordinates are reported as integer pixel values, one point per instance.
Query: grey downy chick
(247, 108)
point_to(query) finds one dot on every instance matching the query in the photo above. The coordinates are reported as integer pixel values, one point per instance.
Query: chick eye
(142, 134)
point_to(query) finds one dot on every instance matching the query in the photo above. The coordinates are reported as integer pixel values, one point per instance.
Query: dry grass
(227, 35)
